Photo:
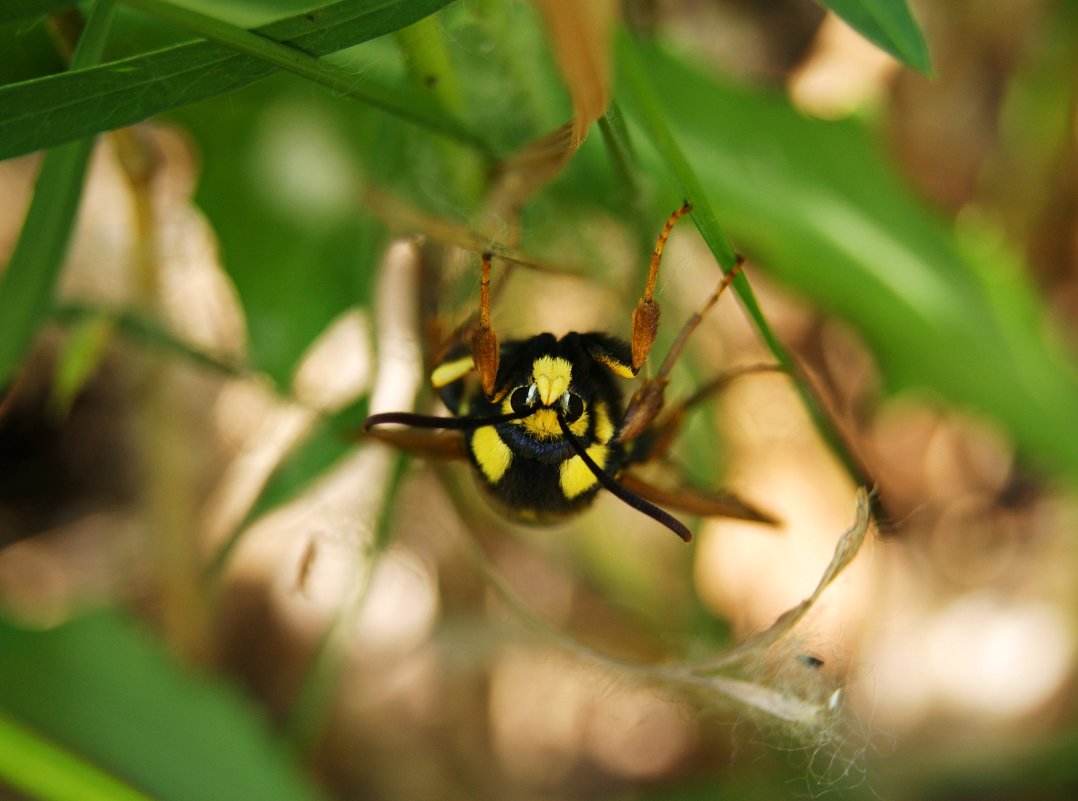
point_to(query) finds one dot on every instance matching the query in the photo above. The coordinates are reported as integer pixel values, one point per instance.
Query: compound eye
(572, 406)
(521, 399)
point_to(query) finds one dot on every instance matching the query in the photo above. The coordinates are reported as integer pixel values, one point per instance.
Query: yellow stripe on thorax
(615, 365)
(447, 372)
(604, 427)
(576, 477)
(493, 455)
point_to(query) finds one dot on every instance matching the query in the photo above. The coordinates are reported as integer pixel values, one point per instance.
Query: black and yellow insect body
(531, 466)
(544, 420)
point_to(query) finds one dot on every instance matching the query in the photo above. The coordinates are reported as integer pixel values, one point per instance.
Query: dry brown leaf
(580, 36)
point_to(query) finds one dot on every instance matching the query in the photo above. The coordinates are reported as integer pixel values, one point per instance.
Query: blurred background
(196, 542)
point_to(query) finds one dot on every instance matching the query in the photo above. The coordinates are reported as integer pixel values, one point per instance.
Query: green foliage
(26, 286)
(22, 10)
(59, 108)
(814, 203)
(99, 701)
(889, 24)
(818, 204)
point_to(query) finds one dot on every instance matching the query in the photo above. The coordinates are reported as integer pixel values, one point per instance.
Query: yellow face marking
(447, 372)
(493, 455)
(576, 477)
(552, 376)
(543, 424)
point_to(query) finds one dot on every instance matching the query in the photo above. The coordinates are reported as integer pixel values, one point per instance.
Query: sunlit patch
(337, 367)
(980, 656)
(1000, 659)
(751, 576)
(538, 713)
(266, 429)
(638, 734)
(545, 713)
(843, 72)
(49, 578)
(401, 604)
(303, 163)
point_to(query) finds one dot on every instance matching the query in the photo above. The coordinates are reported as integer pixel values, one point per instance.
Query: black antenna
(624, 493)
(433, 421)
(604, 478)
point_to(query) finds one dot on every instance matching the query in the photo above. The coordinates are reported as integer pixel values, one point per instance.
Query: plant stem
(44, 770)
(647, 101)
(320, 71)
(619, 148)
(26, 287)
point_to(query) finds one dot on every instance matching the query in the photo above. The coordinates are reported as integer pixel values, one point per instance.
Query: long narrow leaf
(654, 120)
(45, 770)
(22, 10)
(48, 111)
(26, 287)
(818, 204)
(889, 25)
(296, 60)
(118, 702)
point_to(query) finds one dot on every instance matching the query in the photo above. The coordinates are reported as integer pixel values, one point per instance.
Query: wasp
(544, 421)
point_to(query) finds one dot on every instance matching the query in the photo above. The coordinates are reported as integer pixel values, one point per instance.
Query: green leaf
(32, 764)
(21, 10)
(296, 60)
(334, 437)
(137, 328)
(55, 109)
(887, 24)
(112, 702)
(817, 204)
(79, 359)
(26, 287)
(690, 188)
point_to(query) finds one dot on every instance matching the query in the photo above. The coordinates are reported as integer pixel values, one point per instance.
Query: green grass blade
(26, 288)
(820, 205)
(22, 10)
(623, 162)
(654, 119)
(41, 769)
(116, 699)
(889, 25)
(144, 332)
(54, 109)
(293, 59)
(78, 361)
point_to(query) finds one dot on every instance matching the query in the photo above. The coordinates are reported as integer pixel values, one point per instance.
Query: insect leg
(646, 313)
(665, 430)
(690, 500)
(434, 445)
(484, 342)
(648, 400)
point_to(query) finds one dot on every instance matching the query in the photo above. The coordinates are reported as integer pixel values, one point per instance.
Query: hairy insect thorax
(529, 464)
